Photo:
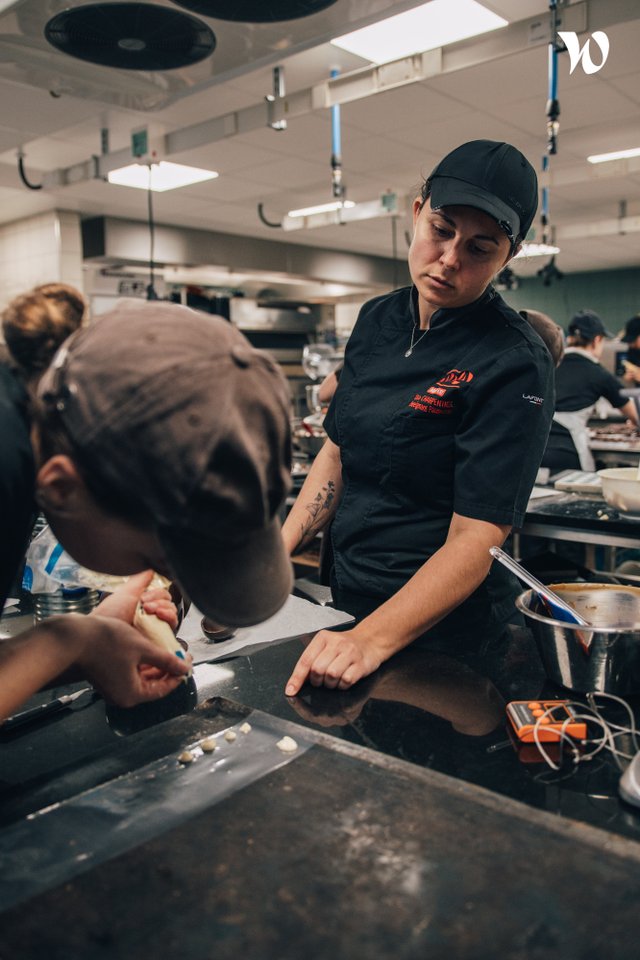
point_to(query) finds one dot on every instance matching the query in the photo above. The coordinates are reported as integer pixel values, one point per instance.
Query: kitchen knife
(35, 714)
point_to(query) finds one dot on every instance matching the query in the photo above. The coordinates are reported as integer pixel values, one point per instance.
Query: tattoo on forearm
(317, 509)
(322, 500)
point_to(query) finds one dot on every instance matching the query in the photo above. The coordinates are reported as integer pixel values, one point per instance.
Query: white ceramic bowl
(621, 488)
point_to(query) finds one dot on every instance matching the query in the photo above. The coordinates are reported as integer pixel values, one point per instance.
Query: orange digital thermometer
(549, 717)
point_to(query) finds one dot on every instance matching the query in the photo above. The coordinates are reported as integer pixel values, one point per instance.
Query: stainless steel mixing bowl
(605, 659)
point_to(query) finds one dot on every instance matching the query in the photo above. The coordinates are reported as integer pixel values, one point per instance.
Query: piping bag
(156, 630)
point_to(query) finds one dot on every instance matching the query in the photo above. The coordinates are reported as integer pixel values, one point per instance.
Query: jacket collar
(443, 314)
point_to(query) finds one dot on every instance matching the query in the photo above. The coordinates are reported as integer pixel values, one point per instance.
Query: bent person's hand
(122, 603)
(117, 659)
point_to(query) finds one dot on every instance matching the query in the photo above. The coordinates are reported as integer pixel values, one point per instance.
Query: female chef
(436, 431)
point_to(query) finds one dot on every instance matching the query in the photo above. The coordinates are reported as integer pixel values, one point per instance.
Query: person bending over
(159, 440)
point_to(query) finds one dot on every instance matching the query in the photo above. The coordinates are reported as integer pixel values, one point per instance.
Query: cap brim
(450, 192)
(236, 584)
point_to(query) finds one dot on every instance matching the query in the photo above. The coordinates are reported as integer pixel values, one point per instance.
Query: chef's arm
(630, 411)
(438, 587)
(317, 502)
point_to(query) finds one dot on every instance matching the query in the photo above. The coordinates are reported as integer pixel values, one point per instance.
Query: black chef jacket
(460, 426)
(580, 382)
(17, 477)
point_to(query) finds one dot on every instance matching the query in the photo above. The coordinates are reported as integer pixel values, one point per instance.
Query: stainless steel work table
(407, 827)
(616, 453)
(578, 518)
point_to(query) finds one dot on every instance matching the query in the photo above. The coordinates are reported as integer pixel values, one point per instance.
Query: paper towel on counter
(296, 617)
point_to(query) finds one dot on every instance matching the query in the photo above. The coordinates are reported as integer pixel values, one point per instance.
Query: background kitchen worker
(159, 441)
(631, 336)
(580, 382)
(550, 332)
(34, 325)
(436, 430)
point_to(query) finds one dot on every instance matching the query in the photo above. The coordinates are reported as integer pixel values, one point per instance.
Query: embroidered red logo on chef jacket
(434, 401)
(455, 378)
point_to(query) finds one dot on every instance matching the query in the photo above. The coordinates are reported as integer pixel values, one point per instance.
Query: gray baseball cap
(175, 410)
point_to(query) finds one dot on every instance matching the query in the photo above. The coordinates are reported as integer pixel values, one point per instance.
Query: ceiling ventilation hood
(27, 58)
(131, 36)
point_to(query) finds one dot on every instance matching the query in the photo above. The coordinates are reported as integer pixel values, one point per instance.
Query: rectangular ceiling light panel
(159, 176)
(614, 155)
(426, 27)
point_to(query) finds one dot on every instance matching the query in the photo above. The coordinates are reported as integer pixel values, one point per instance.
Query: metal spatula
(557, 607)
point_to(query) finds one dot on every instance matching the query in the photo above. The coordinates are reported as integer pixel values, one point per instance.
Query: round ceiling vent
(255, 11)
(133, 36)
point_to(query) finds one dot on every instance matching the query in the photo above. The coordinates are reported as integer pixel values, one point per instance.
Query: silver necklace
(408, 352)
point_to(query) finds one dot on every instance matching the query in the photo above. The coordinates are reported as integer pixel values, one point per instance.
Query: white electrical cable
(589, 713)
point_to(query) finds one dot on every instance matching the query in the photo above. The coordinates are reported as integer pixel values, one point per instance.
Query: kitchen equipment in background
(621, 489)
(604, 658)
(283, 328)
(579, 481)
(313, 400)
(320, 359)
(79, 600)
(308, 434)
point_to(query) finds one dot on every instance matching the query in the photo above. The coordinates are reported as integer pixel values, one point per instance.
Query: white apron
(575, 422)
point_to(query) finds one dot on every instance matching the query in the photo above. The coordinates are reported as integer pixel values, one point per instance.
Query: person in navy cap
(580, 382)
(436, 429)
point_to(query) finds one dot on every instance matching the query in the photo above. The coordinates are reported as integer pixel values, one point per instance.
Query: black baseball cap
(589, 325)
(491, 176)
(632, 329)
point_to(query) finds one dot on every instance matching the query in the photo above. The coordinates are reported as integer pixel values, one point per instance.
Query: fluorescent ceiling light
(321, 208)
(536, 250)
(431, 25)
(159, 176)
(615, 155)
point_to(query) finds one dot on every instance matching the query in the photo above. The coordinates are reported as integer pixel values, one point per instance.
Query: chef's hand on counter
(340, 659)
(335, 660)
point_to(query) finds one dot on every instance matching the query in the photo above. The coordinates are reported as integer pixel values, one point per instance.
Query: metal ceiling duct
(255, 11)
(132, 36)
